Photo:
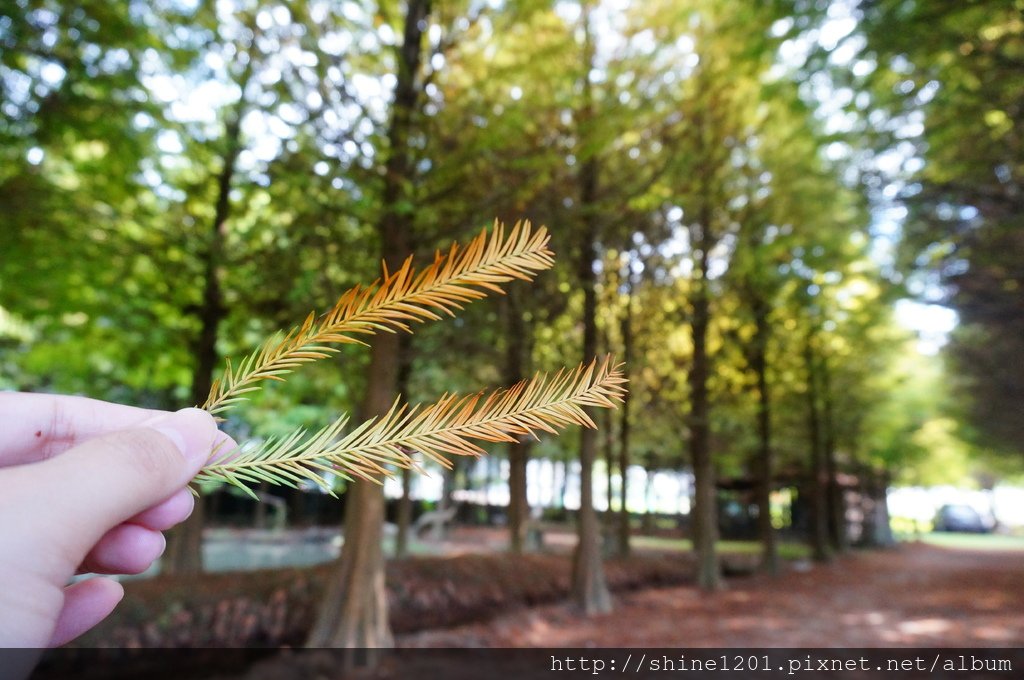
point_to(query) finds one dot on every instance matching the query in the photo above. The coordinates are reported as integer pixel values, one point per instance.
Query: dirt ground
(914, 595)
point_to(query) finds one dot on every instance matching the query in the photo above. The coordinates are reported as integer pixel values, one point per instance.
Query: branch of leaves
(392, 303)
(447, 427)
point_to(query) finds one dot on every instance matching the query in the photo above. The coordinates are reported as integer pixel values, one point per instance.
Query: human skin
(86, 486)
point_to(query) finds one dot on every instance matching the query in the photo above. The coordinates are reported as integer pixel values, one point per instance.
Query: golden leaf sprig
(391, 303)
(449, 426)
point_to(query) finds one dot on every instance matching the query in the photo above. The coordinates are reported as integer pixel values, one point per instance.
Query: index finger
(39, 426)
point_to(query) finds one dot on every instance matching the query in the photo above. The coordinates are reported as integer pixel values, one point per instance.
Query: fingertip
(125, 549)
(193, 431)
(167, 513)
(86, 603)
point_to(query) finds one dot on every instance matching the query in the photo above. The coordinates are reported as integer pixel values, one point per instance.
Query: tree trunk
(553, 500)
(518, 350)
(866, 496)
(519, 507)
(355, 612)
(705, 511)
(297, 508)
(449, 482)
(589, 591)
(493, 471)
(610, 535)
(627, 358)
(259, 514)
(563, 487)
(608, 449)
(819, 474)
(834, 491)
(705, 507)
(883, 524)
(877, 529)
(764, 463)
(184, 553)
(404, 518)
(647, 525)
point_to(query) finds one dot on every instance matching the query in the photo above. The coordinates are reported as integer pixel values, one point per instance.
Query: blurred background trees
(743, 197)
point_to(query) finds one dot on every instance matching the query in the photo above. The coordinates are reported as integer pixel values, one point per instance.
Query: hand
(86, 486)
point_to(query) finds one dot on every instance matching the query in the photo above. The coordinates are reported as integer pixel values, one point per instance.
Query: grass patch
(995, 542)
(787, 550)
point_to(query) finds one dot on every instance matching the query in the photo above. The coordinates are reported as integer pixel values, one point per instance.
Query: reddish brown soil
(914, 595)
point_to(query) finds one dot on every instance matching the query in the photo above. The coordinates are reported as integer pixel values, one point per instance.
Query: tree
(518, 350)
(73, 143)
(354, 612)
(589, 590)
(185, 545)
(244, 45)
(944, 78)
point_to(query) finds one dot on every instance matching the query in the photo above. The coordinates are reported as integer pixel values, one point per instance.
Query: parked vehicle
(960, 518)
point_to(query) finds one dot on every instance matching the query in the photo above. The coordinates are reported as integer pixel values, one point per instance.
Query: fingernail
(192, 430)
(173, 435)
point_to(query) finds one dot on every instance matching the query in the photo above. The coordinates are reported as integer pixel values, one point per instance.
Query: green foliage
(118, 120)
(947, 75)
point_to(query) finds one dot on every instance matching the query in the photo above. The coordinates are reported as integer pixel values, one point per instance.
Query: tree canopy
(738, 197)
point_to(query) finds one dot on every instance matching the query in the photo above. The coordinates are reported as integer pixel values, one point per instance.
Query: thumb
(99, 484)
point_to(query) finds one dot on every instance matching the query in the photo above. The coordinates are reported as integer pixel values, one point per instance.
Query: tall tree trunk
(883, 522)
(404, 518)
(705, 511)
(296, 508)
(563, 487)
(492, 468)
(877, 532)
(834, 491)
(355, 612)
(608, 451)
(519, 506)
(705, 507)
(589, 591)
(449, 482)
(764, 463)
(404, 515)
(184, 554)
(610, 536)
(555, 484)
(819, 474)
(866, 504)
(259, 514)
(627, 357)
(518, 349)
(647, 524)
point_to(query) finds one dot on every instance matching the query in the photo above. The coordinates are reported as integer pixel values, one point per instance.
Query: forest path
(912, 595)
